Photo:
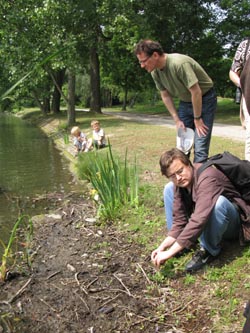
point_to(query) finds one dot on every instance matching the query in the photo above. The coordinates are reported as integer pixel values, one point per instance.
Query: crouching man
(206, 208)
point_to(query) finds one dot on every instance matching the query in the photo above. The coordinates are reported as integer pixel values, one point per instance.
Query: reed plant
(114, 181)
(8, 257)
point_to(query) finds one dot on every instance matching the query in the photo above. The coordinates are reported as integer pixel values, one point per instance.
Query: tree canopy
(94, 39)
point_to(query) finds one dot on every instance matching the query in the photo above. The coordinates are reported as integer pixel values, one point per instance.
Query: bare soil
(87, 277)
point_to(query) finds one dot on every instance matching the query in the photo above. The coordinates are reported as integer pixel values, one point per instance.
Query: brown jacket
(192, 210)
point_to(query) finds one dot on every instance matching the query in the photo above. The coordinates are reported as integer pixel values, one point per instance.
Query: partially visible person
(80, 140)
(178, 75)
(246, 328)
(208, 209)
(240, 75)
(99, 140)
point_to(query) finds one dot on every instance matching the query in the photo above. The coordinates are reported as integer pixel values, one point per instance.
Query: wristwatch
(197, 117)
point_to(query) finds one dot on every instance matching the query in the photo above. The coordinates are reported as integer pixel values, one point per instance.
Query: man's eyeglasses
(144, 60)
(177, 173)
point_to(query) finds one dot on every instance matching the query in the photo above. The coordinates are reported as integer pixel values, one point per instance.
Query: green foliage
(8, 256)
(66, 138)
(115, 182)
(189, 279)
(32, 29)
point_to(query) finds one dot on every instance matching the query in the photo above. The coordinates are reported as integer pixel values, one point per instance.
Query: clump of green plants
(66, 138)
(8, 258)
(115, 183)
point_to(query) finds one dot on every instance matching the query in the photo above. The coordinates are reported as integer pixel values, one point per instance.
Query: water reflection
(29, 165)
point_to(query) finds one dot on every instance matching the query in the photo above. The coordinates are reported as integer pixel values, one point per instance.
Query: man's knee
(168, 191)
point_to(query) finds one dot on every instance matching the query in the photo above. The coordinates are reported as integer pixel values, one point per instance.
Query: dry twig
(127, 290)
(53, 274)
(46, 303)
(77, 281)
(86, 305)
(18, 293)
(150, 282)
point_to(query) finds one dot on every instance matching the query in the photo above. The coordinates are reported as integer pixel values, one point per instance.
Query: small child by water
(80, 140)
(99, 140)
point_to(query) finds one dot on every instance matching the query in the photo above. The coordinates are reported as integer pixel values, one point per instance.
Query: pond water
(30, 165)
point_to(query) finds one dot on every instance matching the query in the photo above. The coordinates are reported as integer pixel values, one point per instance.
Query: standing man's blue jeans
(223, 223)
(185, 112)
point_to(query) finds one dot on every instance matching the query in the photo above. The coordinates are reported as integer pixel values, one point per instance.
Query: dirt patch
(91, 278)
(87, 277)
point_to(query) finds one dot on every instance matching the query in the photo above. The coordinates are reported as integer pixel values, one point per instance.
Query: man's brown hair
(148, 47)
(169, 156)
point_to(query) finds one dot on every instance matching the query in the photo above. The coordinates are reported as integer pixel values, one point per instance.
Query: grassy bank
(220, 291)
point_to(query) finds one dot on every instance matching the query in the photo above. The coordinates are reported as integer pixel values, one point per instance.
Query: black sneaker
(200, 258)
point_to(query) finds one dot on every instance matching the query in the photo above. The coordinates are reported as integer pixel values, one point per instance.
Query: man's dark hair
(169, 156)
(148, 47)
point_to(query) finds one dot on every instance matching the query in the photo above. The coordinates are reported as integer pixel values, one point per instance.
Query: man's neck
(162, 61)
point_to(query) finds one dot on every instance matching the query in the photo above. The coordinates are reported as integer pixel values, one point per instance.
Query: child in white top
(98, 135)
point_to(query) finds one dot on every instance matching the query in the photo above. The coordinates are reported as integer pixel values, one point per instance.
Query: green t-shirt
(181, 73)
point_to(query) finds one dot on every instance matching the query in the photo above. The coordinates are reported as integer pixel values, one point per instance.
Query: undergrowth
(115, 183)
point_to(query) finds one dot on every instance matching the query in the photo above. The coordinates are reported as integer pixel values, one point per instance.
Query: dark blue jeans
(185, 112)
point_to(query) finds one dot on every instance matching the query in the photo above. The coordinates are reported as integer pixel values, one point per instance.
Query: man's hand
(201, 128)
(180, 124)
(160, 258)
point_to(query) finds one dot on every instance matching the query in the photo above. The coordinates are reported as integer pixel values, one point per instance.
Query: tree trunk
(95, 101)
(124, 104)
(46, 104)
(71, 98)
(56, 97)
(39, 103)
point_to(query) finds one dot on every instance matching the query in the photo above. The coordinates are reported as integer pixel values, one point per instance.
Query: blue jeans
(168, 198)
(223, 223)
(185, 112)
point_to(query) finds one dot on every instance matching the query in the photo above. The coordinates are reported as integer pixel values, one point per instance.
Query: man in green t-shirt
(178, 75)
